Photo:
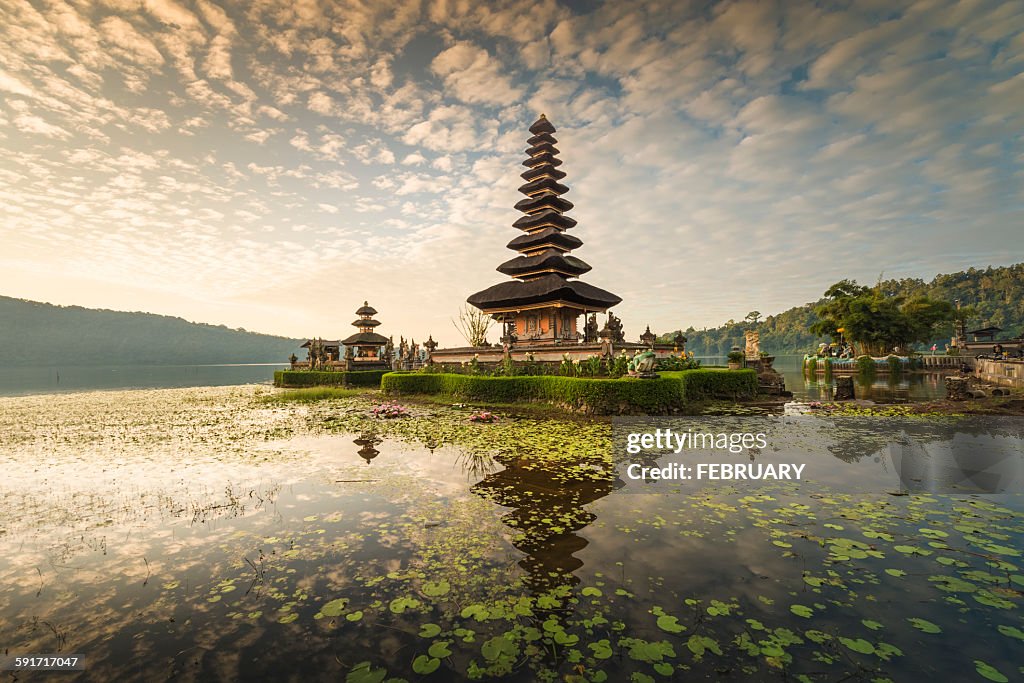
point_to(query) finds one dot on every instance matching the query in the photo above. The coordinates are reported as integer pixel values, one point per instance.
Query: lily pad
(425, 665)
(924, 625)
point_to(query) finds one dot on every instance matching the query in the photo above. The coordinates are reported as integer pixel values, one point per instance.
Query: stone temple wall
(1008, 373)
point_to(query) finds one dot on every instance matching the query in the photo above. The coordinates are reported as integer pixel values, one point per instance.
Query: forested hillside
(33, 333)
(995, 294)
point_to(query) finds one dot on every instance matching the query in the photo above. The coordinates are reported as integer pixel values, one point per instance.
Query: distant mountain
(995, 294)
(33, 333)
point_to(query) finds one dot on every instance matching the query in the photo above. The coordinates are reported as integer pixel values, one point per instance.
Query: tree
(876, 320)
(473, 325)
(753, 317)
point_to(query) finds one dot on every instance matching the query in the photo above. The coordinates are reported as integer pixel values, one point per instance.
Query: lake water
(208, 534)
(15, 381)
(908, 387)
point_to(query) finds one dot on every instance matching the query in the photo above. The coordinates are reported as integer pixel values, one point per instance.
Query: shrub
(735, 356)
(603, 396)
(706, 383)
(810, 364)
(678, 363)
(865, 366)
(317, 378)
(895, 365)
(620, 366)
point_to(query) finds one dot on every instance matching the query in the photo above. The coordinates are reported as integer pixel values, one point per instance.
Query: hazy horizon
(343, 331)
(271, 165)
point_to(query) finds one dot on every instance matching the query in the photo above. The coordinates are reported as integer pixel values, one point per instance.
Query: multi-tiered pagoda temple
(541, 304)
(544, 299)
(363, 349)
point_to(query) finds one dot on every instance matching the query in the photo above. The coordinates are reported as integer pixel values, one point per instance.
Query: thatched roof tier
(543, 185)
(540, 172)
(542, 148)
(543, 137)
(550, 260)
(551, 289)
(545, 201)
(323, 342)
(365, 339)
(542, 125)
(548, 217)
(366, 309)
(366, 322)
(540, 159)
(548, 236)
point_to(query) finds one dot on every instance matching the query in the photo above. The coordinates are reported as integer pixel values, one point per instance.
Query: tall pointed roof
(544, 272)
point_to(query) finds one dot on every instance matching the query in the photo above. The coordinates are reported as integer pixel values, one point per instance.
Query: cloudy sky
(271, 164)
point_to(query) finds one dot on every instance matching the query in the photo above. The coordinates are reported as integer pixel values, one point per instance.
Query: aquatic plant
(483, 416)
(389, 411)
(477, 578)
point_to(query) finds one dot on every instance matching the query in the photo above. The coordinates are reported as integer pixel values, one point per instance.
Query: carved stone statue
(509, 338)
(642, 364)
(316, 353)
(430, 345)
(590, 329)
(753, 344)
(615, 326)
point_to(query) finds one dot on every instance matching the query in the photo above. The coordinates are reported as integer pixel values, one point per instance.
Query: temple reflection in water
(546, 513)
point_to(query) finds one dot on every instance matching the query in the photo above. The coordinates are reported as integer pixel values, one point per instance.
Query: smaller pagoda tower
(363, 349)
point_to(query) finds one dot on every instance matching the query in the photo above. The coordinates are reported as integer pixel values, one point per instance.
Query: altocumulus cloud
(271, 164)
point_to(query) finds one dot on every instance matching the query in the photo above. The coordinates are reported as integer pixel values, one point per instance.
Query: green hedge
(705, 383)
(314, 378)
(603, 396)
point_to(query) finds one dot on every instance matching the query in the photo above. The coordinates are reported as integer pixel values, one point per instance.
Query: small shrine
(363, 350)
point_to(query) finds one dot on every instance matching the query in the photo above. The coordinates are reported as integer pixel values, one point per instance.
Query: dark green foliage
(895, 365)
(708, 383)
(866, 366)
(877, 320)
(603, 396)
(677, 363)
(315, 378)
(34, 333)
(989, 296)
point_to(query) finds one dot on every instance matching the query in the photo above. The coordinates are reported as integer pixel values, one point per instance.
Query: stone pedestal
(844, 389)
(958, 388)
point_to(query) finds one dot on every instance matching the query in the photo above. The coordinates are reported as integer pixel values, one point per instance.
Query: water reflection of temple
(367, 443)
(546, 514)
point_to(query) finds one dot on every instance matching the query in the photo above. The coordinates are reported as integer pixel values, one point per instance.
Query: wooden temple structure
(540, 306)
(364, 350)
